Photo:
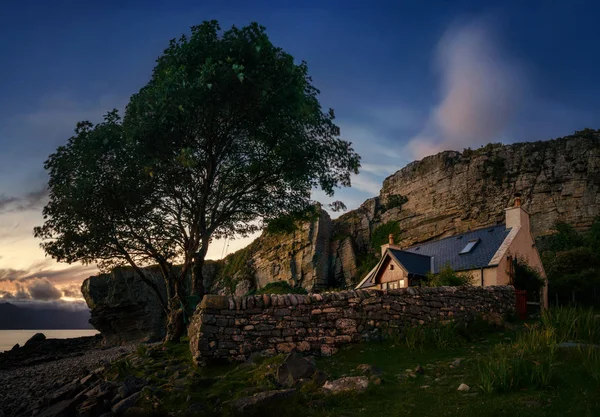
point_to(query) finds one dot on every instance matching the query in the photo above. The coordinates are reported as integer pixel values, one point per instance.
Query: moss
(495, 168)
(393, 201)
(278, 287)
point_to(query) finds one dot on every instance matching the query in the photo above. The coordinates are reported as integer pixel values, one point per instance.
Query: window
(391, 267)
(469, 246)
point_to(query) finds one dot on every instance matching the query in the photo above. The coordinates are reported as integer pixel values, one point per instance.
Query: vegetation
(572, 263)
(447, 277)
(510, 370)
(485, 149)
(226, 136)
(495, 168)
(526, 277)
(365, 262)
(380, 235)
(278, 287)
(393, 201)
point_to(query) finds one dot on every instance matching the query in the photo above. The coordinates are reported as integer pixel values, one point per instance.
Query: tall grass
(528, 362)
(590, 358)
(573, 324)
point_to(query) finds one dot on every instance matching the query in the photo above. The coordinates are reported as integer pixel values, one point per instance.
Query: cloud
(44, 290)
(72, 291)
(33, 200)
(482, 90)
(42, 270)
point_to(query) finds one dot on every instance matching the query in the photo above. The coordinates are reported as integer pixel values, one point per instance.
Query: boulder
(293, 369)
(260, 399)
(36, 338)
(120, 407)
(345, 384)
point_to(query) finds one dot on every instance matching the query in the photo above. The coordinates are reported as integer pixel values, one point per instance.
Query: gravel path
(21, 387)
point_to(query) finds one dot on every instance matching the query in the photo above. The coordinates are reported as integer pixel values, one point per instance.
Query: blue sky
(406, 79)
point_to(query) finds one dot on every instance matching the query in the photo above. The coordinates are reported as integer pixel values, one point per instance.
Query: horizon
(468, 75)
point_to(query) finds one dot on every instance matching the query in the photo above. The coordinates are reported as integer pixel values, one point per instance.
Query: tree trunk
(175, 320)
(197, 275)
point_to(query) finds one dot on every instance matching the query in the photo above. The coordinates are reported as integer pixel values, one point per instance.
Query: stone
(293, 369)
(346, 384)
(121, 406)
(261, 398)
(463, 387)
(456, 362)
(368, 370)
(131, 385)
(15, 347)
(36, 338)
(215, 302)
(419, 370)
(61, 409)
(424, 386)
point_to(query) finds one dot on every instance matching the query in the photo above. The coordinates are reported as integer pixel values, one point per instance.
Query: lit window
(469, 246)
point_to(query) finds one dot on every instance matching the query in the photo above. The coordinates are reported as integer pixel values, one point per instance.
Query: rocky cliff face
(453, 192)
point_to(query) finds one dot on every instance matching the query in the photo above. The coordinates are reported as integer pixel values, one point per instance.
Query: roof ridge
(410, 253)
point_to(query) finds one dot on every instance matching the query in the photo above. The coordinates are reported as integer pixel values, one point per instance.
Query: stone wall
(319, 323)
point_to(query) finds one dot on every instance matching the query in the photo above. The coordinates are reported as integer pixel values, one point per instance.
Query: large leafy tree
(227, 135)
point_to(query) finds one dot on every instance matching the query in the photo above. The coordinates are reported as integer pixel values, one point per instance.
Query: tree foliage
(226, 136)
(526, 277)
(572, 263)
(447, 277)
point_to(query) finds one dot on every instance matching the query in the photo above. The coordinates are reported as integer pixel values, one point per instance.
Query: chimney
(517, 199)
(516, 216)
(391, 239)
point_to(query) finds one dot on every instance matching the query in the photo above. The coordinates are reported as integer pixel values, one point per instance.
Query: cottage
(486, 254)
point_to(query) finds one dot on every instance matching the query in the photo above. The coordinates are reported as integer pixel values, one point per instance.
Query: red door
(521, 303)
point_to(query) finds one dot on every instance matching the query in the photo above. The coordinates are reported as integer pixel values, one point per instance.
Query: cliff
(439, 196)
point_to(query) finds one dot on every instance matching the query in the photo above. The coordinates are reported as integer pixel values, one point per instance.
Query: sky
(406, 79)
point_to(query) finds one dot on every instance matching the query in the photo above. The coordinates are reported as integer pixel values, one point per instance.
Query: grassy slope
(573, 391)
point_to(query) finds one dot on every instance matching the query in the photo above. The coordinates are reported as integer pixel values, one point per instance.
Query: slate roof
(413, 262)
(447, 250)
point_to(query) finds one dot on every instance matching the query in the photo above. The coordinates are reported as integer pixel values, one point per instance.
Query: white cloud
(482, 90)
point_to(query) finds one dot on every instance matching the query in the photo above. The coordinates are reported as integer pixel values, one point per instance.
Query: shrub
(380, 235)
(447, 277)
(395, 200)
(414, 337)
(365, 262)
(278, 287)
(526, 277)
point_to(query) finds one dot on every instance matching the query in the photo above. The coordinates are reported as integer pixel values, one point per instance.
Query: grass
(517, 372)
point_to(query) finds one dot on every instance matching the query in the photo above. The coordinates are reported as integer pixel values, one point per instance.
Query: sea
(9, 338)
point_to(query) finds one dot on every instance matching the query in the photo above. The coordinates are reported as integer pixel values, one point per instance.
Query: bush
(278, 287)
(395, 200)
(526, 277)
(380, 235)
(448, 277)
(590, 358)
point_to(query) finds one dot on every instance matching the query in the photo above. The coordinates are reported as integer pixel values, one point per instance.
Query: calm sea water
(8, 338)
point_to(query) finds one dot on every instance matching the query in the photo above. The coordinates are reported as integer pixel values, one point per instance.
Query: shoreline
(45, 373)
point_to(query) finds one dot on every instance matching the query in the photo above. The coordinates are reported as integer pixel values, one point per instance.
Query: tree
(227, 135)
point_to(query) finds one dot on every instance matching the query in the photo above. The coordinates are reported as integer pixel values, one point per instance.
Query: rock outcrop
(123, 308)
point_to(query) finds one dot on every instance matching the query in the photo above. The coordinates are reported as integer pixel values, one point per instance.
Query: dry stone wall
(229, 328)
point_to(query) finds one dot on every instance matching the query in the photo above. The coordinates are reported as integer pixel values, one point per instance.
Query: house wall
(391, 278)
(319, 323)
(489, 276)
